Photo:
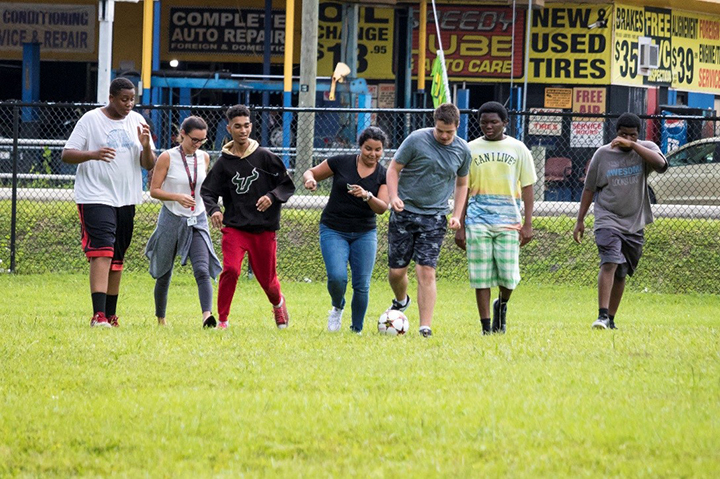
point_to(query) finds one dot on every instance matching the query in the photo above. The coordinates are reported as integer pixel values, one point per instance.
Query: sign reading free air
(57, 28)
(233, 31)
(589, 100)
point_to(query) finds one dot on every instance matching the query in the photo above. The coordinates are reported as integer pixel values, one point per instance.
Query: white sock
(282, 300)
(424, 328)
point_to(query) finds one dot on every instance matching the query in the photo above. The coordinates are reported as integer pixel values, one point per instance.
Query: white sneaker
(335, 320)
(603, 322)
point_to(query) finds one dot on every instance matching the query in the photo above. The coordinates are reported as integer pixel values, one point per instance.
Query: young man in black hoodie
(253, 183)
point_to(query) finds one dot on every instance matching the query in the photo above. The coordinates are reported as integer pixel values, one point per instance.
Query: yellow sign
(558, 97)
(570, 44)
(631, 23)
(589, 100)
(375, 41)
(696, 52)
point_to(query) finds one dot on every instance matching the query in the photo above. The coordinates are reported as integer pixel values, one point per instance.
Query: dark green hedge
(681, 255)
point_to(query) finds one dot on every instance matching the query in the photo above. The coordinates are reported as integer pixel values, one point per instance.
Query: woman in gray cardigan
(182, 228)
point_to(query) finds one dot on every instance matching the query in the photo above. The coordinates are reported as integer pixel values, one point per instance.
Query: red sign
(478, 43)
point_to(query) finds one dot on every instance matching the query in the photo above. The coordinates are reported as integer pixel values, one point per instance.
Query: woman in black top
(347, 224)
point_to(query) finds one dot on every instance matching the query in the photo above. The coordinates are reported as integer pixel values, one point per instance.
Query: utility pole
(106, 15)
(308, 86)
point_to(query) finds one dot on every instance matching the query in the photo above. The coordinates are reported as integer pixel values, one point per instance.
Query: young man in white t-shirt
(109, 145)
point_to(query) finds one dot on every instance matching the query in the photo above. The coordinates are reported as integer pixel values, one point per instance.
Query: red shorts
(106, 231)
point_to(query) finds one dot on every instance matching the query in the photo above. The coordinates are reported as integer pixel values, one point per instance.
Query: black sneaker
(425, 332)
(611, 324)
(398, 306)
(210, 322)
(603, 322)
(499, 317)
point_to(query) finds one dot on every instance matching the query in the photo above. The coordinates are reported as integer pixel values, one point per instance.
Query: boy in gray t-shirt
(428, 166)
(618, 175)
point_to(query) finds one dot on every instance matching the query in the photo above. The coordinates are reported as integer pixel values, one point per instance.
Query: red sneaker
(222, 325)
(113, 320)
(282, 318)
(100, 320)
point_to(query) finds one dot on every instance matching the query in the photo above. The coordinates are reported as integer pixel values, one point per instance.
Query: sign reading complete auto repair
(235, 31)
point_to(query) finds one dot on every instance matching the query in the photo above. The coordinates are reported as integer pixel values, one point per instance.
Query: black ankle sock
(485, 325)
(603, 312)
(98, 302)
(611, 317)
(111, 305)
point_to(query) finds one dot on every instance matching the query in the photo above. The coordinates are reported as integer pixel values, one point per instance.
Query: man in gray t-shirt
(618, 176)
(429, 165)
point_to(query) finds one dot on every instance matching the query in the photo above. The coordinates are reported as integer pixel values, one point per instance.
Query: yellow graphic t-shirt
(498, 172)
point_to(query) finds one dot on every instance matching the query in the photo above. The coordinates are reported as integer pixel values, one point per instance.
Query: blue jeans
(338, 248)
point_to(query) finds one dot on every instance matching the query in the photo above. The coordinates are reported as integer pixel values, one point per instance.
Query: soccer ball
(393, 323)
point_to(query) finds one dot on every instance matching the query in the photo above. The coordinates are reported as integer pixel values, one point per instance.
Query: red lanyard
(192, 182)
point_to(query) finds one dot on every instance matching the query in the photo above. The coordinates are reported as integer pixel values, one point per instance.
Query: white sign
(545, 125)
(57, 28)
(386, 95)
(586, 134)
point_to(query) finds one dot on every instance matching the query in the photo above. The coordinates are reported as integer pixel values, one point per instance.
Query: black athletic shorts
(623, 249)
(106, 231)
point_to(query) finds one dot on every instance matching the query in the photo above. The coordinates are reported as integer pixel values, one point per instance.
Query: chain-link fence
(39, 229)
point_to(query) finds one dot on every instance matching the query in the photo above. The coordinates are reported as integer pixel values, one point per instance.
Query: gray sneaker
(334, 320)
(603, 322)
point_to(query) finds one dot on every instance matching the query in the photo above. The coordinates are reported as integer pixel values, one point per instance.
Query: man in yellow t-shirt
(502, 173)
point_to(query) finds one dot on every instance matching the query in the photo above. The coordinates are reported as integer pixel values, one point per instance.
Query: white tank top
(177, 181)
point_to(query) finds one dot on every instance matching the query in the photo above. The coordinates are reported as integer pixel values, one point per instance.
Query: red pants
(261, 249)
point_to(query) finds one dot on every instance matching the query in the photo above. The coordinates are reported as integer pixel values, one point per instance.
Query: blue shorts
(416, 237)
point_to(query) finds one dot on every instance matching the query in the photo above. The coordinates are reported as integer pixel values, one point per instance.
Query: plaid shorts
(493, 257)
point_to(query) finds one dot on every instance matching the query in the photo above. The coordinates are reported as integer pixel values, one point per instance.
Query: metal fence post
(13, 202)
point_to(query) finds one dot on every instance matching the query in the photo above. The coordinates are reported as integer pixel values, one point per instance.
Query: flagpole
(441, 54)
(512, 57)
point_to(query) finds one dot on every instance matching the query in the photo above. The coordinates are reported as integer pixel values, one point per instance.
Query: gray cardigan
(173, 236)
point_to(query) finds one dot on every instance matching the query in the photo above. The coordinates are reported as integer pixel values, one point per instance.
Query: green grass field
(550, 398)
